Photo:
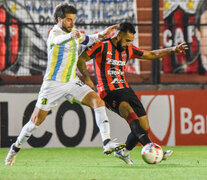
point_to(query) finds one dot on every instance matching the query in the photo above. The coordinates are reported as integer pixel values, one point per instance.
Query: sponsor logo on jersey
(113, 72)
(117, 81)
(115, 62)
(109, 53)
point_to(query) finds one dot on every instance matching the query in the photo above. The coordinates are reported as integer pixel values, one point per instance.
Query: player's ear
(198, 34)
(59, 19)
(118, 37)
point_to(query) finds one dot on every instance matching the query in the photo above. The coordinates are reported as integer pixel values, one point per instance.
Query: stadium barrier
(176, 118)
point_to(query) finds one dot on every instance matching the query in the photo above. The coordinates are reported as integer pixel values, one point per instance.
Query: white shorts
(52, 92)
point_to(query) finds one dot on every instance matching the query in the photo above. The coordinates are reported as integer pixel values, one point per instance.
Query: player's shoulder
(134, 47)
(102, 42)
(106, 40)
(56, 30)
(99, 43)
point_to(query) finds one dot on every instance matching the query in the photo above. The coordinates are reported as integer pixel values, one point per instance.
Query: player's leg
(135, 122)
(49, 95)
(124, 153)
(95, 102)
(138, 133)
(38, 116)
(144, 123)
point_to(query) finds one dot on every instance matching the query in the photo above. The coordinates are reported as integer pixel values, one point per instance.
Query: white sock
(25, 133)
(102, 122)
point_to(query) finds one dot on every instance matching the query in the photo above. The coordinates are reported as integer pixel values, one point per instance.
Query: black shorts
(114, 98)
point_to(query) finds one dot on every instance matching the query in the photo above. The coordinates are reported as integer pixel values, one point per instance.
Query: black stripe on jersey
(127, 53)
(95, 52)
(136, 52)
(94, 66)
(121, 69)
(103, 62)
(113, 66)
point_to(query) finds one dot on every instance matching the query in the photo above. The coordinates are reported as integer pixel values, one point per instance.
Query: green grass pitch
(186, 163)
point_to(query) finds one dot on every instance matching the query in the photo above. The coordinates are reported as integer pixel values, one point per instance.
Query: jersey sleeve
(57, 37)
(94, 50)
(88, 40)
(135, 52)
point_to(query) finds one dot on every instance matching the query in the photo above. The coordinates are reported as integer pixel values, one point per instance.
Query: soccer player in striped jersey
(110, 57)
(60, 80)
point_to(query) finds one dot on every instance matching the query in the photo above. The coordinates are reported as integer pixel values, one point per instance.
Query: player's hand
(89, 83)
(108, 30)
(75, 34)
(181, 48)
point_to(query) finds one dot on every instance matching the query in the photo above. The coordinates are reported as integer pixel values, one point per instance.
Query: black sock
(131, 141)
(16, 149)
(106, 141)
(145, 139)
(139, 132)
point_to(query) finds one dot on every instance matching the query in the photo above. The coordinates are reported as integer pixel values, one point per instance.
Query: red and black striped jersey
(110, 64)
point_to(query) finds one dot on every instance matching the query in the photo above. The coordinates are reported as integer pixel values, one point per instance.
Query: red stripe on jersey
(109, 55)
(135, 52)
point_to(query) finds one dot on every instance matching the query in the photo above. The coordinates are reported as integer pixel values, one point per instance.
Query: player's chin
(69, 28)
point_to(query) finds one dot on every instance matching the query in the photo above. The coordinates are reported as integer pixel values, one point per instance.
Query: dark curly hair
(127, 27)
(63, 8)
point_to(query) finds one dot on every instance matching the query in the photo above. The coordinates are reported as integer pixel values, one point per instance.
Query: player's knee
(100, 102)
(146, 128)
(96, 102)
(37, 120)
(144, 123)
(124, 105)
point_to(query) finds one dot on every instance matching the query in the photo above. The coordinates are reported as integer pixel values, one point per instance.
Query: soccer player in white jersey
(60, 80)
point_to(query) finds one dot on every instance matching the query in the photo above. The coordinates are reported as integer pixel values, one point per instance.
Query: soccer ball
(152, 153)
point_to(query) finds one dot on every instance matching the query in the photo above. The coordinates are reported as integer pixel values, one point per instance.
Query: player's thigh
(125, 109)
(136, 104)
(50, 94)
(79, 91)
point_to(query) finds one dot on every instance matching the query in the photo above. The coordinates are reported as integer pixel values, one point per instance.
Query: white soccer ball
(152, 153)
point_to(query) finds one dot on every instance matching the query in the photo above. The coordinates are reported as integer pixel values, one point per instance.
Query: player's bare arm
(108, 30)
(82, 68)
(156, 54)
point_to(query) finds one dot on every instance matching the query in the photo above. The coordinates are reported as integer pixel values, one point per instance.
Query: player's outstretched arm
(82, 68)
(108, 30)
(60, 39)
(156, 54)
(96, 37)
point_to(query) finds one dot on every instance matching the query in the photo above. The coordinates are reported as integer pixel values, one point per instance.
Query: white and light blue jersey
(62, 53)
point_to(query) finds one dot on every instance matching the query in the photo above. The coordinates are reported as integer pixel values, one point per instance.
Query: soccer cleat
(112, 146)
(126, 159)
(167, 154)
(11, 156)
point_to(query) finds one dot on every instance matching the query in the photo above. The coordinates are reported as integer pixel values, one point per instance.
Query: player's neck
(114, 41)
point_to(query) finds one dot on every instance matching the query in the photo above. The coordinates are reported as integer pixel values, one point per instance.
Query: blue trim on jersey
(86, 41)
(59, 61)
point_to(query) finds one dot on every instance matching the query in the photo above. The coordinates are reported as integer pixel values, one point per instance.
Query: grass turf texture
(186, 163)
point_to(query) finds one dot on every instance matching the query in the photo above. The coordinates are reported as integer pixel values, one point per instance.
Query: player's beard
(64, 28)
(119, 46)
